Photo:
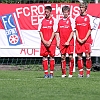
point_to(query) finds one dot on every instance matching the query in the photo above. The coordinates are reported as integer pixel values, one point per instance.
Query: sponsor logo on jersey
(85, 19)
(67, 22)
(82, 24)
(50, 22)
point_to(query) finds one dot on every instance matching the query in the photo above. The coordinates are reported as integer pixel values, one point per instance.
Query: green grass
(30, 85)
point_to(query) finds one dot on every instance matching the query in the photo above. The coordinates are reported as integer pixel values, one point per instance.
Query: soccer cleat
(45, 76)
(50, 76)
(63, 76)
(88, 75)
(70, 76)
(80, 76)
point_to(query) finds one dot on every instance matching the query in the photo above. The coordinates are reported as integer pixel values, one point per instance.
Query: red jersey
(64, 30)
(47, 28)
(83, 26)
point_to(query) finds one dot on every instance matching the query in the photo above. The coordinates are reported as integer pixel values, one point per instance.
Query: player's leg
(45, 66)
(70, 50)
(63, 60)
(88, 64)
(88, 58)
(80, 65)
(52, 64)
(79, 49)
(52, 60)
(44, 53)
(71, 65)
(63, 65)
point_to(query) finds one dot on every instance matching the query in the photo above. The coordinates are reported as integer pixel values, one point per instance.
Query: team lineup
(61, 35)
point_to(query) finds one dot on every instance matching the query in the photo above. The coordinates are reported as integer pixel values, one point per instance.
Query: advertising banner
(19, 23)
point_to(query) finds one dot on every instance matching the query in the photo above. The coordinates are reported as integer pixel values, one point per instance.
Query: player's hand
(83, 40)
(80, 41)
(66, 43)
(46, 43)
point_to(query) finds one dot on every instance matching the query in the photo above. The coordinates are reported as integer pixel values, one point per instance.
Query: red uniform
(83, 26)
(65, 29)
(47, 28)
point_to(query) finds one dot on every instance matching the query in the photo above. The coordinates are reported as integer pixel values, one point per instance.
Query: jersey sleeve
(91, 22)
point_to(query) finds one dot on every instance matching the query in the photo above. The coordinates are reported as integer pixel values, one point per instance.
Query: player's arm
(70, 37)
(57, 36)
(57, 39)
(77, 37)
(87, 35)
(76, 31)
(52, 36)
(54, 30)
(50, 40)
(41, 35)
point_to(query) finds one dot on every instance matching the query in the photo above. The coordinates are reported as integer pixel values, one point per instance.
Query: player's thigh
(87, 47)
(62, 49)
(52, 49)
(79, 48)
(70, 49)
(43, 51)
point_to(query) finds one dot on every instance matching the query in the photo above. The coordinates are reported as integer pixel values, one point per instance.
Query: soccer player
(47, 31)
(65, 33)
(83, 40)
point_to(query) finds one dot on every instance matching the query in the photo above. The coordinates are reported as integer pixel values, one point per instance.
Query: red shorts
(45, 51)
(80, 48)
(66, 49)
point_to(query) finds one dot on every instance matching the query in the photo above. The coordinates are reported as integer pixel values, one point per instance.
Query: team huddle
(60, 35)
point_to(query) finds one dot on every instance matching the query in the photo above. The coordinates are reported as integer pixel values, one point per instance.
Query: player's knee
(45, 58)
(87, 55)
(70, 57)
(63, 58)
(79, 57)
(51, 58)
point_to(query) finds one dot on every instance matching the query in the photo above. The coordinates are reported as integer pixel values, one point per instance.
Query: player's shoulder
(70, 18)
(76, 17)
(53, 19)
(89, 16)
(43, 20)
(60, 20)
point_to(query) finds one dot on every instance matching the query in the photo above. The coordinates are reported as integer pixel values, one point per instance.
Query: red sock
(80, 66)
(45, 66)
(71, 66)
(52, 63)
(88, 71)
(88, 65)
(63, 66)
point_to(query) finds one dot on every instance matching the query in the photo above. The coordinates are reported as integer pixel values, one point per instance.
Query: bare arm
(42, 39)
(41, 36)
(79, 40)
(57, 39)
(70, 37)
(52, 36)
(87, 35)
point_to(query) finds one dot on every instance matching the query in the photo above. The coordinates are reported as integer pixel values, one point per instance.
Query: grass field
(30, 85)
